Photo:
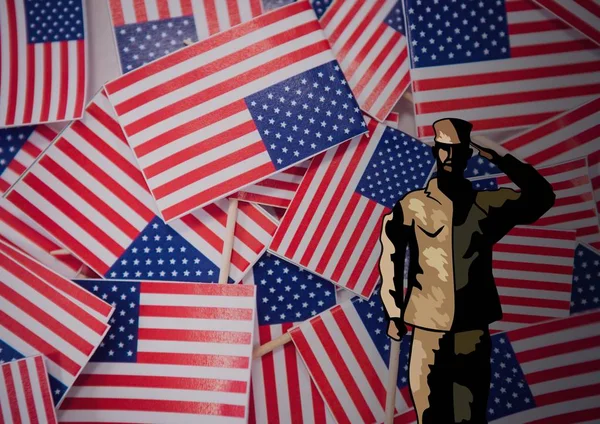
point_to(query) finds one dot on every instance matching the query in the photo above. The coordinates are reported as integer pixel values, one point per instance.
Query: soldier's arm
(391, 266)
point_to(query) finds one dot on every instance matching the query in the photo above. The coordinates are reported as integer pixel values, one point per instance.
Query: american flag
(586, 276)
(274, 4)
(279, 190)
(75, 293)
(176, 352)
(333, 224)
(21, 231)
(547, 373)
(281, 387)
(369, 42)
(568, 136)
(42, 64)
(19, 147)
(533, 268)
(582, 15)
(320, 6)
(36, 318)
(245, 104)
(88, 193)
(574, 207)
(346, 350)
(25, 393)
(497, 63)
(148, 30)
(593, 161)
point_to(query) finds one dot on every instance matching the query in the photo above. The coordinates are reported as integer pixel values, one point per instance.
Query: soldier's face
(451, 157)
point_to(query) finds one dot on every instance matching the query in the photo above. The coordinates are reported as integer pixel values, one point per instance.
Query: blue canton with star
(586, 276)
(11, 141)
(485, 184)
(445, 32)
(8, 354)
(305, 114)
(161, 253)
(120, 343)
(142, 43)
(54, 20)
(274, 4)
(320, 6)
(287, 293)
(395, 19)
(509, 391)
(373, 317)
(479, 166)
(400, 164)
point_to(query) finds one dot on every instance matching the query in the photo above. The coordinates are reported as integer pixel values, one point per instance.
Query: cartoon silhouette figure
(450, 230)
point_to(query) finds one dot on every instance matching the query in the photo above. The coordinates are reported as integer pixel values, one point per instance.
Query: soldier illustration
(450, 230)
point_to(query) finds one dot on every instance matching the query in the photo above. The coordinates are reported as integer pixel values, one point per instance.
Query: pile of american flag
(198, 239)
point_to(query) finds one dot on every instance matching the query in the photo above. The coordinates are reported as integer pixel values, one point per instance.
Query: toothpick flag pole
(59, 252)
(228, 241)
(390, 400)
(271, 346)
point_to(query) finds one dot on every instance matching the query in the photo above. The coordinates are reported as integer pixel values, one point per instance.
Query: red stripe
(377, 64)
(278, 184)
(43, 383)
(251, 408)
(13, 30)
(566, 395)
(163, 9)
(573, 200)
(159, 382)
(267, 362)
(263, 199)
(116, 12)
(258, 217)
(506, 99)
(523, 318)
(29, 84)
(64, 81)
(563, 372)
(203, 231)
(53, 296)
(363, 22)
(49, 225)
(440, 83)
(532, 285)
(172, 406)
(533, 250)
(555, 326)
(210, 11)
(224, 188)
(215, 313)
(360, 354)
(330, 13)
(590, 5)
(586, 415)
(293, 381)
(27, 391)
(561, 305)
(373, 279)
(58, 282)
(302, 190)
(587, 136)
(556, 349)
(552, 48)
(564, 121)
(256, 8)
(47, 86)
(39, 344)
(224, 87)
(46, 131)
(204, 336)
(362, 54)
(198, 289)
(186, 7)
(575, 21)
(319, 377)
(81, 80)
(546, 233)
(344, 23)
(318, 406)
(12, 393)
(567, 217)
(533, 267)
(520, 6)
(233, 12)
(394, 97)
(190, 359)
(140, 11)
(207, 45)
(537, 27)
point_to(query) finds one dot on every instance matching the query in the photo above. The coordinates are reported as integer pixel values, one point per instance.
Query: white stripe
(546, 239)
(533, 276)
(195, 348)
(222, 15)
(128, 11)
(390, 88)
(245, 10)
(38, 390)
(4, 66)
(534, 311)
(55, 82)
(193, 324)
(526, 293)
(175, 8)
(149, 299)
(529, 16)
(373, 258)
(545, 37)
(552, 410)
(142, 417)
(19, 392)
(532, 258)
(151, 10)
(22, 61)
(566, 335)
(282, 389)
(73, 80)
(200, 20)
(40, 66)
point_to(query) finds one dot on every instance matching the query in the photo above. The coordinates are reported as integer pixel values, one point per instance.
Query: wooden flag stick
(228, 241)
(59, 252)
(272, 345)
(390, 400)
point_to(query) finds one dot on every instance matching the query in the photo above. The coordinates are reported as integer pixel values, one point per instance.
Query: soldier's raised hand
(396, 331)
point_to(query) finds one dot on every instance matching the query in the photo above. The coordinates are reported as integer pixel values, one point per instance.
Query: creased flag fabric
(346, 351)
(586, 279)
(593, 161)
(234, 109)
(19, 147)
(573, 208)
(497, 64)
(21, 231)
(42, 64)
(148, 30)
(36, 318)
(369, 41)
(584, 15)
(88, 192)
(282, 391)
(25, 392)
(75, 293)
(176, 352)
(568, 136)
(547, 373)
(533, 268)
(333, 224)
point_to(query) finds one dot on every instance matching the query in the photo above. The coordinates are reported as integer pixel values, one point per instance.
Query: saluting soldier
(450, 230)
